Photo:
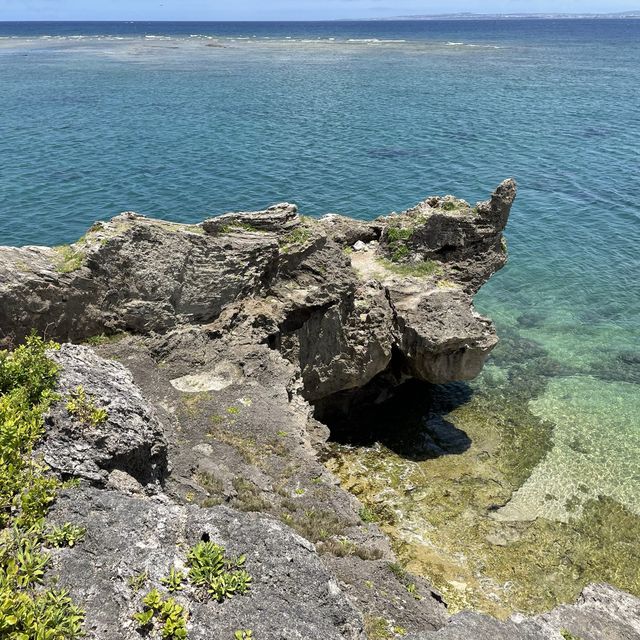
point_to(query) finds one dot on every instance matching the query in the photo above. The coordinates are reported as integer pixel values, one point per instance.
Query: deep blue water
(184, 120)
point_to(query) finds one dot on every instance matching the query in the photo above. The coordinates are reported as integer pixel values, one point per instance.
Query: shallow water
(184, 121)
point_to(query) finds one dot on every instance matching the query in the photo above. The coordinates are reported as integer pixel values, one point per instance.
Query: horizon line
(462, 15)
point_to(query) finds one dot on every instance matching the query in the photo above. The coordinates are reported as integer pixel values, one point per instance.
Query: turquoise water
(184, 121)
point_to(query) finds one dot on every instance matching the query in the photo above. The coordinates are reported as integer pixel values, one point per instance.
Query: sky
(286, 9)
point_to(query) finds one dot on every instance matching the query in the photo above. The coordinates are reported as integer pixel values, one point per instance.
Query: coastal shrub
(399, 234)
(65, 535)
(83, 407)
(399, 253)
(173, 582)
(210, 573)
(29, 607)
(367, 514)
(298, 237)
(397, 238)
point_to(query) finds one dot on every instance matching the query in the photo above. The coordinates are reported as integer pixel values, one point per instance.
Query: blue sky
(283, 9)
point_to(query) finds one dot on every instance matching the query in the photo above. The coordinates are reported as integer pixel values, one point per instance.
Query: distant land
(519, 16)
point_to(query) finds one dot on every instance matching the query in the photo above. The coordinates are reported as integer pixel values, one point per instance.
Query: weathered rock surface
(236, 438)
(130, 439)
(275, 277)
(292, 595)
(602, 612)
(467, 242)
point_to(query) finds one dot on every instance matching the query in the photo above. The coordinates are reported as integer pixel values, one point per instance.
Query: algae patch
(448, 508)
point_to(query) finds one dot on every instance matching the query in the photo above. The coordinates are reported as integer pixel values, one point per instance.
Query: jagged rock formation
(274, 277)
(214, 340)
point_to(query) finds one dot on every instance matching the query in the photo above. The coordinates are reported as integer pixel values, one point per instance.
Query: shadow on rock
(410, 420)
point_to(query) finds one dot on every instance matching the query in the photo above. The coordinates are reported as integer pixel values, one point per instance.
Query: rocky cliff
(211, 350)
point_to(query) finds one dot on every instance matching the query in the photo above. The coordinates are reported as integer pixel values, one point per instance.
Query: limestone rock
(130, 439)
(441, 336)
(131, 274)
(465, 242)
(274, 277)
(278, 218)
(348, 231)
(292, 595)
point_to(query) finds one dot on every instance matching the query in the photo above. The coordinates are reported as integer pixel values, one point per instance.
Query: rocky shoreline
(222, 355)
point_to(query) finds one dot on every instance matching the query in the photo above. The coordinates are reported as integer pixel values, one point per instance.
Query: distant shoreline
(517, 16)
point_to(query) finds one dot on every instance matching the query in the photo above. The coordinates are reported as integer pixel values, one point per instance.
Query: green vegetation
(367, 515)
(399, 253)
(298, 237)
(138, 581)
(453, 205)
(29, 606)
(211, 571)
(248, 496)
(377, 628)
(342, 547)
(418, 269)
(83, 407)
(397, 238)
(65, 535)
(243, 634)
(68, 259)
(567, 635)
(166, 614)
(214, 488)
(314, 525)
(173, 582)
(399, 234)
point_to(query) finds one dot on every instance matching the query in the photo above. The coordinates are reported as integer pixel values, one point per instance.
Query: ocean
(186, 120)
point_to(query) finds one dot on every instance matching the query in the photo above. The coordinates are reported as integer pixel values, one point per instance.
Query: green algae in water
(452, 516)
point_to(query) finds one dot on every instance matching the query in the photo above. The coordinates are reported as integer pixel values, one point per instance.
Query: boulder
(602, 611)
(128, 438)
